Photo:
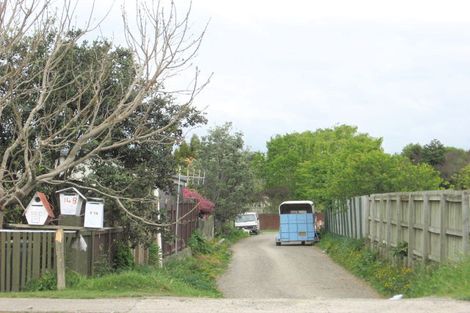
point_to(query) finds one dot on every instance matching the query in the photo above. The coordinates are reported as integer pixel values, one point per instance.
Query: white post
(177, 210)
(159, 234)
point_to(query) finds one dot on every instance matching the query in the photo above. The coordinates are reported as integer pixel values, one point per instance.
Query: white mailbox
(39, 210)
(94, 213)
(71, 201)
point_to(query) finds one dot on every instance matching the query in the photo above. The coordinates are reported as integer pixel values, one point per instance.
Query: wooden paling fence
(423, 226)
(26, 254)
(269, 221)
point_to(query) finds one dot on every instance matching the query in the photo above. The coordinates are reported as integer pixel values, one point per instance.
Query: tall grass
(449, 280)
(193, 276)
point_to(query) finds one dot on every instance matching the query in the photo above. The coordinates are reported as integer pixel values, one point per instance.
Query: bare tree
(49, 107)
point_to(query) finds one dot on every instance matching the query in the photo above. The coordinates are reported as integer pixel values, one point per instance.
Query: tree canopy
(229, 181)
(69, 106)
(338, 163)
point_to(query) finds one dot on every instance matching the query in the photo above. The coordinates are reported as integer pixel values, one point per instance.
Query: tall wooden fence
(268, 221)
(26, 254)
(178, 234)
(430, 225)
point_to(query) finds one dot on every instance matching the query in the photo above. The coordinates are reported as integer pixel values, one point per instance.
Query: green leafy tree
(434, 153)
(339, 163)
(414, 152)
(229, 179)
(462, 178)
(186, 153)
(455, 159)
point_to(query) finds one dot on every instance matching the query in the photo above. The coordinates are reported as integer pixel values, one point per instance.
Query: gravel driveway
(260, 269)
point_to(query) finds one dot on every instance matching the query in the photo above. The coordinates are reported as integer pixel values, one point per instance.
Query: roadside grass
(193, 276)
(448, 280)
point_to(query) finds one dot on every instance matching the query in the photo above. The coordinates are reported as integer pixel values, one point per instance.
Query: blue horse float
(297, 223)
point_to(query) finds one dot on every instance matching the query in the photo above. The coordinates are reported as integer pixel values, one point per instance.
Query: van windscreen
(245, 218)
(295, 208)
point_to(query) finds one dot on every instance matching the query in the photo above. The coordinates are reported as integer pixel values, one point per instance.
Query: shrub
(199, 245)
(154, 254)
(123, 258)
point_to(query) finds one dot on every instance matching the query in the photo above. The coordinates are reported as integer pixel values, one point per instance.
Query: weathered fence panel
(206, 226)
(268, 221)
(26, 254)
(350, 220)
(186, 222)
(431, 225)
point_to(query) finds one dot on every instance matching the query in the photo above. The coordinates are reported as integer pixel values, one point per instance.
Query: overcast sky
(396, 69)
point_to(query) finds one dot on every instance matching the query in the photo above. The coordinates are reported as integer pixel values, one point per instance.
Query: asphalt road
(260, 269)
(194, 305)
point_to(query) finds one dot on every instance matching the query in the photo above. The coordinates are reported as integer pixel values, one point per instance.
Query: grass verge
(448, 280)
(190, 277)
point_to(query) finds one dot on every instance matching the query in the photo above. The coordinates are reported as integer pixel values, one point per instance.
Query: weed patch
(192, 276)
(450, 280)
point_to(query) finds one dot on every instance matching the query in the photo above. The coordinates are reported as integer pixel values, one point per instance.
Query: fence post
(411, 234)
(442, 234)
(399, 206)
(388, 235)
(426, 224)
(365, 201)
(1, 219)
(465, 223)
(373, 222)
(60, 258)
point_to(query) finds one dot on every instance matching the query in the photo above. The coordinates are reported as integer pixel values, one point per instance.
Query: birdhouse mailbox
(94, 213)
(71, 201)
(39, 210)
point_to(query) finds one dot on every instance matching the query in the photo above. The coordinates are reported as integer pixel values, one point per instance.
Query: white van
(248, 221)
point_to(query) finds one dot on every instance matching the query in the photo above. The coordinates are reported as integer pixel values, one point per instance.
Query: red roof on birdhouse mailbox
(47, 205)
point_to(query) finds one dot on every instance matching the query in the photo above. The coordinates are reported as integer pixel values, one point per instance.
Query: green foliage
(414, 152)
(434, 153)
(14, 214)
(401, 250)
(191, 276)
(48, 281)
(353, 255)
(102, 267)
(449, 161)
(448, 280)
(445, 280)
(462, 178)
(229, 179)
(123, 258)
(232, 234)
(76, 104)
(199, 245)
(338, 163)
(186, 153)
(154, 254)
